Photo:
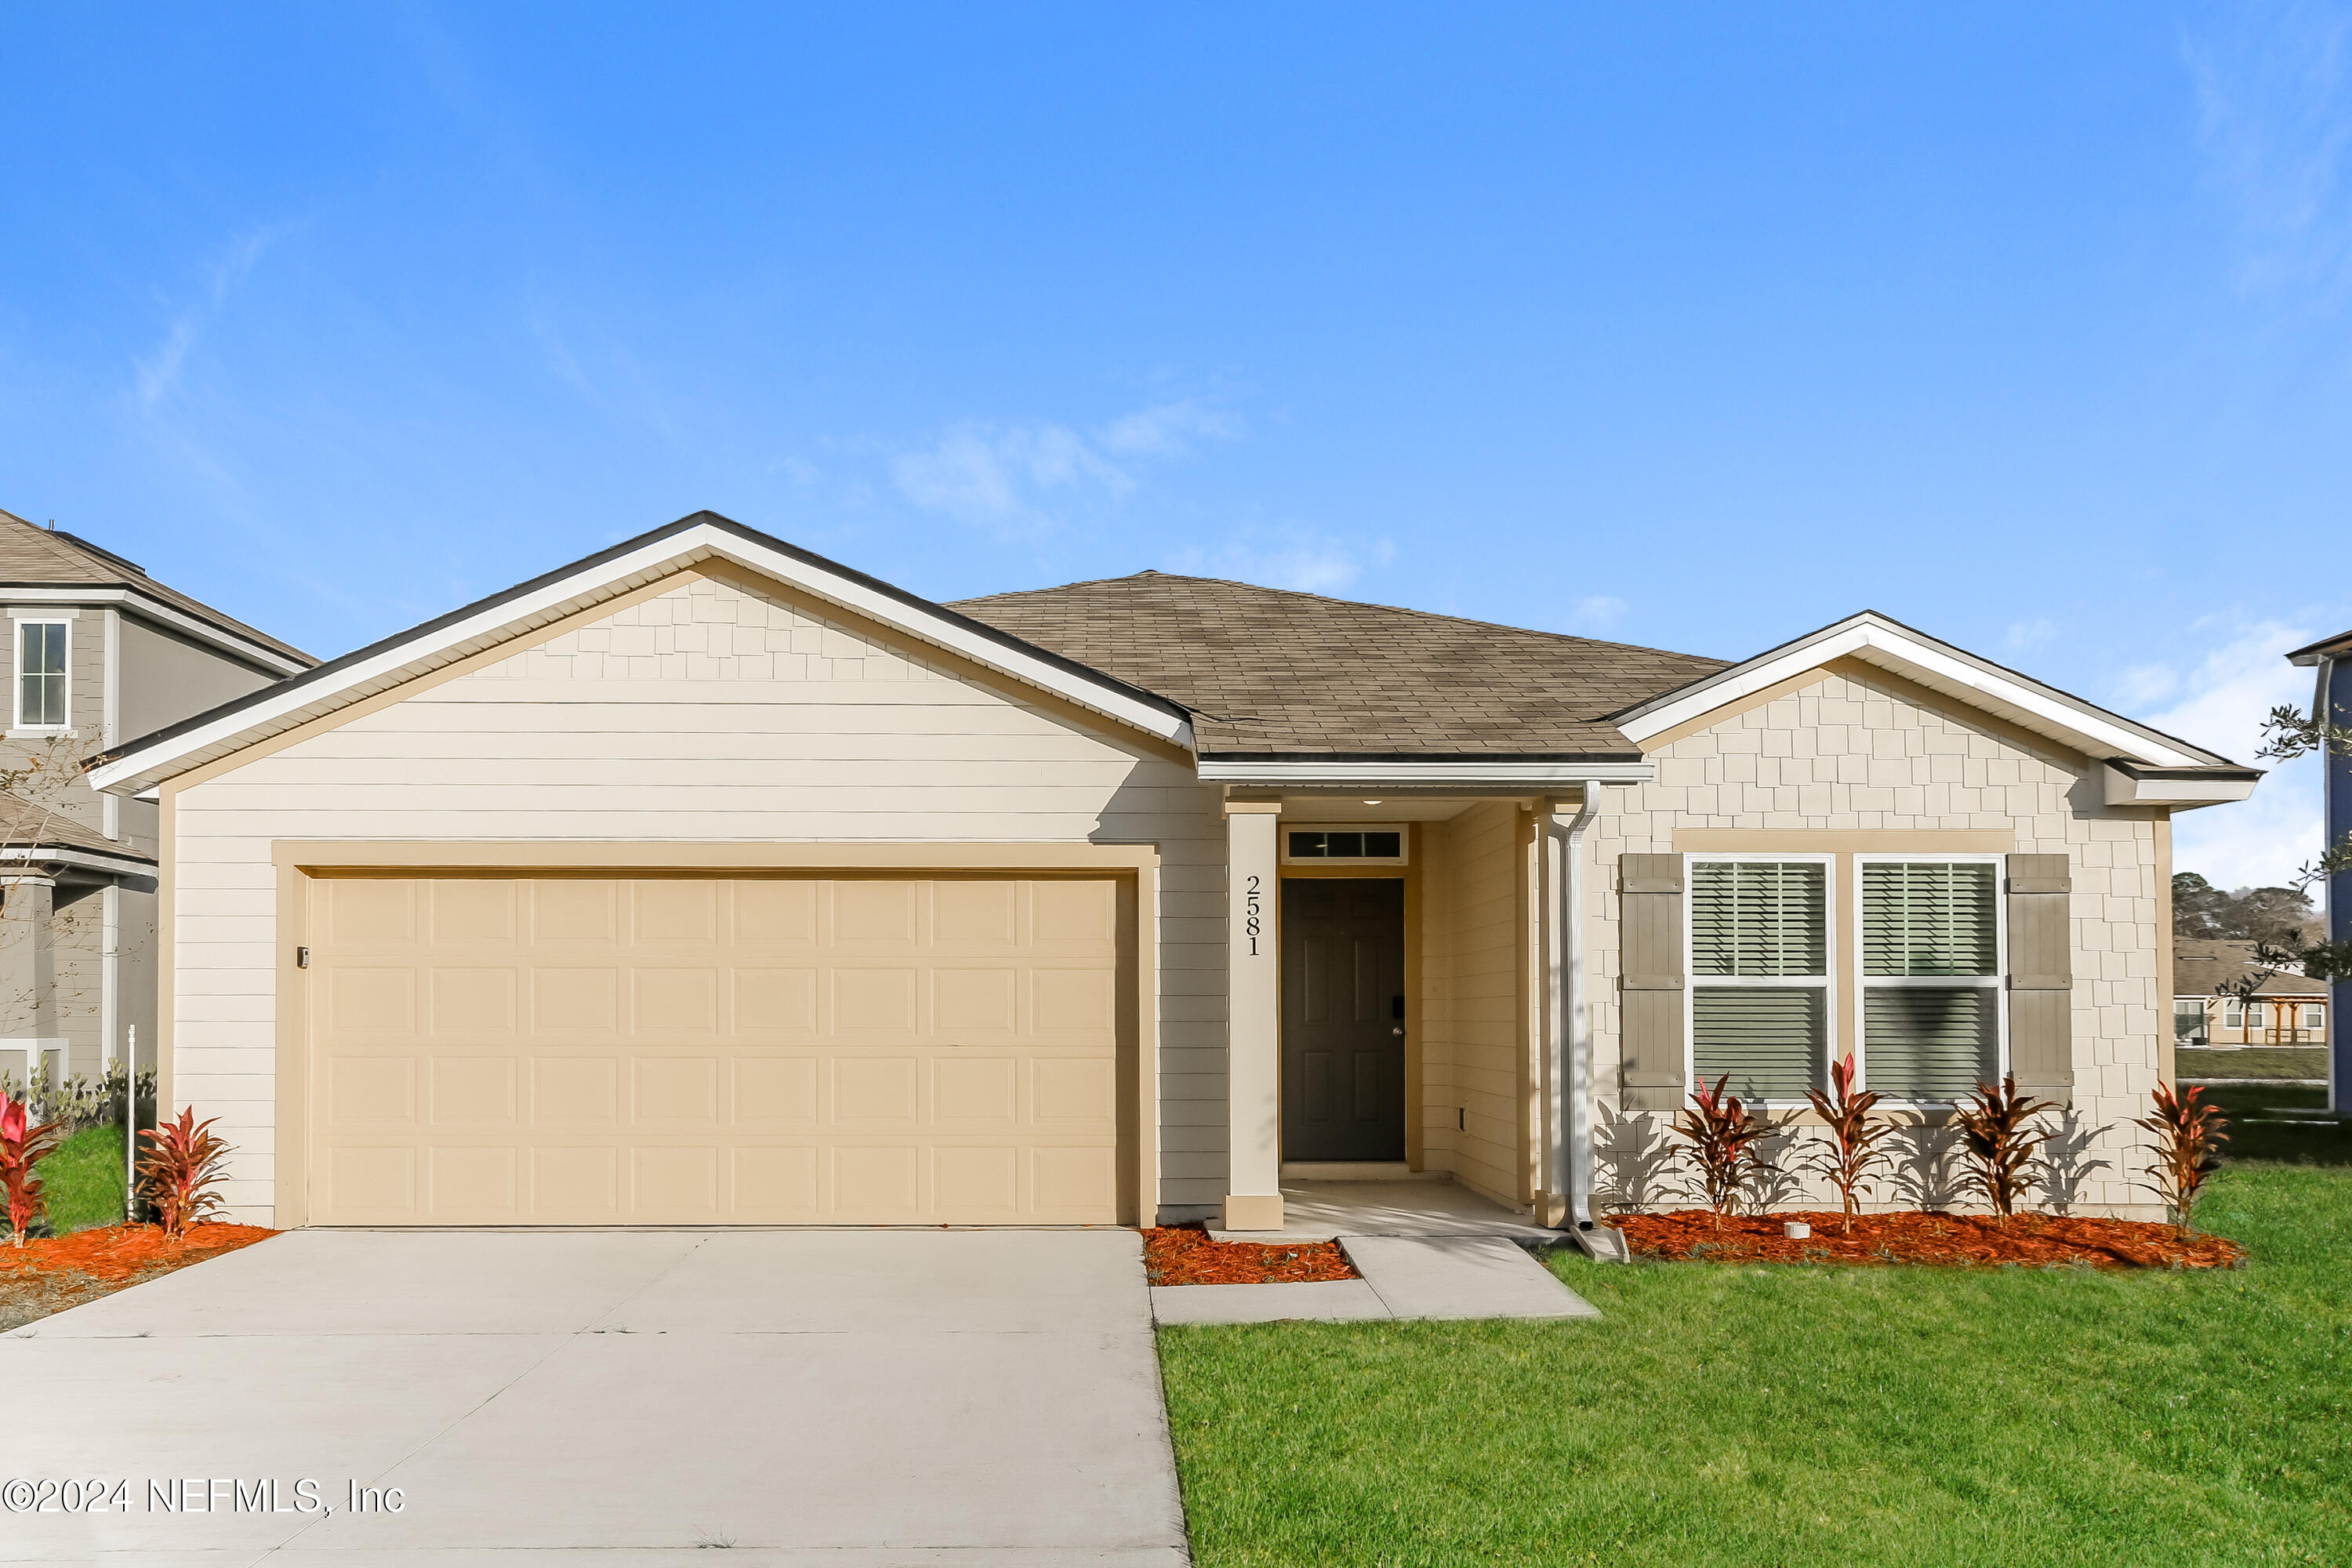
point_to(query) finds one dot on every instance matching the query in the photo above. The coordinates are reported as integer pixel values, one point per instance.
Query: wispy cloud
(2273, 85)
(1298, 558)
(2023, 636)
(1021, 480)
(1598, 615)
(2223, 697)
(156, 376)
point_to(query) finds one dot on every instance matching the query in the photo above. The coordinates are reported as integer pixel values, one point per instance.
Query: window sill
(44, 732)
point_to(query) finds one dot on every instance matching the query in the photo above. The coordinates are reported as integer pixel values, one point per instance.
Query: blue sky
(1696, 327)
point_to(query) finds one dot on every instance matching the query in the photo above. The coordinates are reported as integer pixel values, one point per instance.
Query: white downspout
(1569, 1045)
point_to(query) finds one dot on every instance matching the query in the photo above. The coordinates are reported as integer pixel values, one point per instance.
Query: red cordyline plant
(1722, 1133)
(2186, 1132)
(22, 1146)
(180, 1172)
(1994, 1128)
(1854, 1136)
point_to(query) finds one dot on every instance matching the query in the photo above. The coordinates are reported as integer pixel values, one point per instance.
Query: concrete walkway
(1404, 1277)
(854, 1398)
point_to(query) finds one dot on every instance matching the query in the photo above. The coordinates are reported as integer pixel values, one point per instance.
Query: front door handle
(1398, 1031)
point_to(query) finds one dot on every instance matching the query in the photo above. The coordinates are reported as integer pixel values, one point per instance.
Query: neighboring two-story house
(96, 652)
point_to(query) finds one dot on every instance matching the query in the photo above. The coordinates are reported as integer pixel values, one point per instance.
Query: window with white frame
(2258, 1014)
(41, 687)
(2189, 1018)
(2315, 1016)
(1931, 978)
(1760, 973)
(2234, 1013)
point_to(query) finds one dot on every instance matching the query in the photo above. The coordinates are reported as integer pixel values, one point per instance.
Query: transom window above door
(1359, 844)
(1760, 975)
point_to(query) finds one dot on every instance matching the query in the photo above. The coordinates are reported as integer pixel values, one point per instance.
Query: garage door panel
(974, 1090)
(371, 1092)
(471, 1001)
(475, 1185)
(584, 1050)
(471, 911)
(775, 1093)
(775, 1001)
(674, 1001)
(575, 1000)
(474, 1091)
(676, 1093)
(776, 1185)
(872, 1090)
(575, 911)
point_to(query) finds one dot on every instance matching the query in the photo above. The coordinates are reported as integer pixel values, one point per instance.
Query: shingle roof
(33, 556)
(2201, 965)
(1269, 672)
(27, 825)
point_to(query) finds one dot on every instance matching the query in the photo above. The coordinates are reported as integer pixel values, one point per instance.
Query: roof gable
(340, 683)
(1949, 671)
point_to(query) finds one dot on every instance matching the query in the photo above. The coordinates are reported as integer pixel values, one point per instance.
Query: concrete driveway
(844, 1398)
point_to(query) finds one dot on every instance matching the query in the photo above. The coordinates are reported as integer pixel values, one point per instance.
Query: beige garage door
(598, 1050)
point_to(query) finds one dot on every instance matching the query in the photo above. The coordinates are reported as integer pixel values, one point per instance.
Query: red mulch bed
(1968, 1240)
(50, 1274)
(1183, 1255)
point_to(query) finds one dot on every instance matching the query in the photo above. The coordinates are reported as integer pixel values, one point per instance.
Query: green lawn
(2250, 1061)
(1761, 1415)
(82, 1180)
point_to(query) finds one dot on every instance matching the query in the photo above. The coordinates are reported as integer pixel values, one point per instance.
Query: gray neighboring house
(96, 650)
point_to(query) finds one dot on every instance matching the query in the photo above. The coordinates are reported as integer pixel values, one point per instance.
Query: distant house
(2282, 1010)
(96, 652)
(2332, 699)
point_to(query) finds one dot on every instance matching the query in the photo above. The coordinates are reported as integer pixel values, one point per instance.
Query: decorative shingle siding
(1854, 752)
(707, 713)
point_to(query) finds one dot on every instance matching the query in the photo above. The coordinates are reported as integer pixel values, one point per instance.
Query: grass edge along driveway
(1769, 1415)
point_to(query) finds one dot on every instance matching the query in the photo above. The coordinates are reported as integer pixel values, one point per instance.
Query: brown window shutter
(1652, 990)
(2040, 976)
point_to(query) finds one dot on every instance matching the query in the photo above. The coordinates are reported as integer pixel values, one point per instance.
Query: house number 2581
(1251, 908)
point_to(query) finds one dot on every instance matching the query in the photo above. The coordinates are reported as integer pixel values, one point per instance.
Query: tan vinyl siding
(711, 711)
(1473, 1049)
(1857, 751)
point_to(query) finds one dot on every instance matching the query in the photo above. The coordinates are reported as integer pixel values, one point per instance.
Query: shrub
(1854, 1136)
(77, 1102)
(1723, 1134)
(22, 1142)
(2186, 1132)
(181, 1171)
(2001, 1145)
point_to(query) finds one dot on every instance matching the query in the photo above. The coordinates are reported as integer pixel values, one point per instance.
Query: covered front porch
(1405, 1034)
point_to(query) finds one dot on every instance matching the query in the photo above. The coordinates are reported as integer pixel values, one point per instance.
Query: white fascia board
(2094, 731)
(1517, 775)
(673, 553)
(2215, 788)
(157, 610)
(120, 864)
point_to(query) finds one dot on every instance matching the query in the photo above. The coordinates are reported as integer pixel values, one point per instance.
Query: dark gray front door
(1342, 1019)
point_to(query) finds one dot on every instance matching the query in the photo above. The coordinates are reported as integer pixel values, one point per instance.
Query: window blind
(1769, 1038)
(1919, 918)
(1928, 1043)
(1752, 919)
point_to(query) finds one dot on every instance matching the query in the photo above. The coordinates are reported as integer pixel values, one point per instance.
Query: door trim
(1134, 868)
(1416, 1004)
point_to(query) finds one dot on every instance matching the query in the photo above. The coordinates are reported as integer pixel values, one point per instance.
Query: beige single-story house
(706, 881)
(2212, 1005)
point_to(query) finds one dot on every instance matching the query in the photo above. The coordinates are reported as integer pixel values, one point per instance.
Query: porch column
(28, 989)
(1253, 1020)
